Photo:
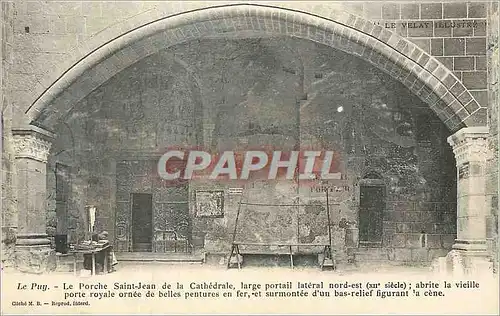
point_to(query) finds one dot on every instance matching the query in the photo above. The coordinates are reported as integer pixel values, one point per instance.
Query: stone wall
(158, 103)
(493, 123)
(8, 190)
(47, 33)
(46, 38)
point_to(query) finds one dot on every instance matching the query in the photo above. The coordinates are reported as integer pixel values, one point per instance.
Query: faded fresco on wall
(209, 203)
(286, 95)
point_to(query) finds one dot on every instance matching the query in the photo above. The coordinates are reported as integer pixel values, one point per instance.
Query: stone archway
(403, 60)
(422, 74)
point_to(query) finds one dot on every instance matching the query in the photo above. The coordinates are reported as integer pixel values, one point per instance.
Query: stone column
(471, 153)
(33, 247)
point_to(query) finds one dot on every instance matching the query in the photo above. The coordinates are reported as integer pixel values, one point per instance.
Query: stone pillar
(33, 247)
(471, 150)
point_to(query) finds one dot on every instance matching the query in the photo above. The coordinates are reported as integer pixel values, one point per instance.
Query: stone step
(159, 257)
(166, 260)
(371, 254)
(65, 262)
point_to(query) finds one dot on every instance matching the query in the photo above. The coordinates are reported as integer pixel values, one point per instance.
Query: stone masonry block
(398, 216)
(449, 81)
(418, 227)
(475, 79)
(476, 46)
(437, 47)
(427, 216)
(436, 253)
(399, 240)
(431, 65)
(403, 228)
(480, 30)
(454, 46)
(454, 10)
(391, 11)
(31, 24)
(92, 9)
(440, 31)
(476, 10)
(387, 237)
(481, 97)
(457, 90)
(465, 97)
(421, 32)
(57, 24)
(419, 255)
(448, 240)
(434, 241)
(413, 240)
(404, 206)
(413, 216)
(447, 61)
(62, 8)
(463, 63)
(403, 255)
(410, 11)
(481, 63)
(424, 44)
(44, 42)
(372, 10)
(464, 30)
(472, 107)
(75, 25)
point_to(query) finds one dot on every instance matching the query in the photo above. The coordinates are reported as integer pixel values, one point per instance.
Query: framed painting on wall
(209, 203)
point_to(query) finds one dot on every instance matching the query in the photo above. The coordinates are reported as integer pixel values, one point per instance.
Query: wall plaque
(463, 171)
(235, 191)
(209, 203)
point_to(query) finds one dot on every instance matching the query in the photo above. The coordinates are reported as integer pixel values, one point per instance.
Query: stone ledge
(35, 259)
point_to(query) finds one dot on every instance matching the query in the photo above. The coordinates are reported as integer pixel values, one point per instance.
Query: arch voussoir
(422, 74)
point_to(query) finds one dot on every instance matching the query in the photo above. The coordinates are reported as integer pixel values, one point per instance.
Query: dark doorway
(142, 219)
(371, 208)
(62, 196)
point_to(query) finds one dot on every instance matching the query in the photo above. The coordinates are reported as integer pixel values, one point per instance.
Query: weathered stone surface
(35, 259)
(30, 28)
(263, 106)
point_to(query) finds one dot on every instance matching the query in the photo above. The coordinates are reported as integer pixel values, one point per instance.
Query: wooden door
(142, 219)
(371, 207)
(172, 224)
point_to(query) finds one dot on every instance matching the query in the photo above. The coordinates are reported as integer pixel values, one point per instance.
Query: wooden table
(93, 253)
(235, 249)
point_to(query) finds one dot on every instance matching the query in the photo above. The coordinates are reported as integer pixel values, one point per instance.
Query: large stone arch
(403, 60)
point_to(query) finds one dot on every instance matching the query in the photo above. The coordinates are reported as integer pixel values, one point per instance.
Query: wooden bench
(327, 261)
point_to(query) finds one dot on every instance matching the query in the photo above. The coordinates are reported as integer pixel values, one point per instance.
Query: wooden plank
(230, 257)
(238, 256)
(276, 244)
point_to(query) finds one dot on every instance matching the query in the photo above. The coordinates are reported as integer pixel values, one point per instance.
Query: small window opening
(423, 239)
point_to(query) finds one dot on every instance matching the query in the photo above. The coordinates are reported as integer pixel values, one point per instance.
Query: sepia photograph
(249, 157)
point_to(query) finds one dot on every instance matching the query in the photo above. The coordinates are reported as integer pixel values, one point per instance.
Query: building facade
(405, 94)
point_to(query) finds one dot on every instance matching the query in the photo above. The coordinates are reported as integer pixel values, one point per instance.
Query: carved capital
(32, 142)
(470, 144)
